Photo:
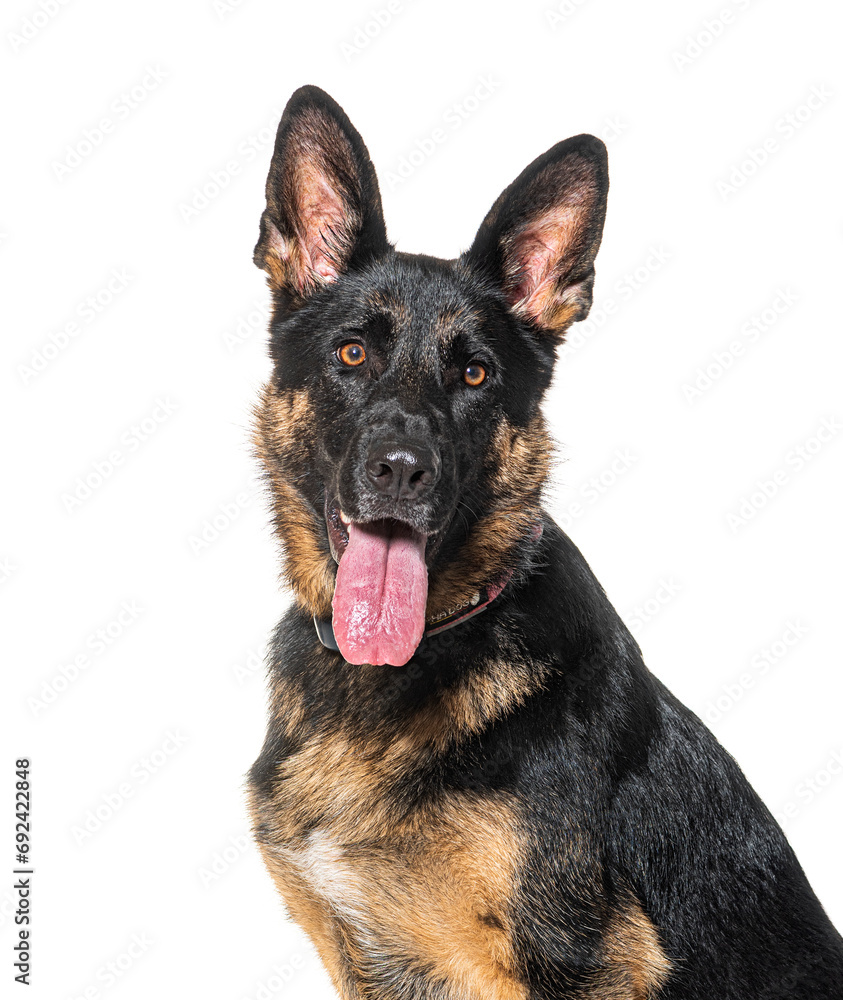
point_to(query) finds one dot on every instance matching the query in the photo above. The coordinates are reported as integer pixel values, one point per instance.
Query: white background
(699, 241)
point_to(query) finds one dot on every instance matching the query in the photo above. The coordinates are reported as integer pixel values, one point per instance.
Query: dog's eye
(474, 374)
(352, 354)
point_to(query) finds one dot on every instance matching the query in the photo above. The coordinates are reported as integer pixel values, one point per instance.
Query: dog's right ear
(323, 207)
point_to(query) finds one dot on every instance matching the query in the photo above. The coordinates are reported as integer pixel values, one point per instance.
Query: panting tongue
(381, 593)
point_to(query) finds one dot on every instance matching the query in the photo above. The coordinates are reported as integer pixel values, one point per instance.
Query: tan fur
(430, 888)
(451, 320)
(313, 915)
(518, 464)
(280, 258)
(433, 895)
(282, 445)
(489, 694)
(558, 313)
(636, 964)
(344, 777)
(366, 875)
(390, 305)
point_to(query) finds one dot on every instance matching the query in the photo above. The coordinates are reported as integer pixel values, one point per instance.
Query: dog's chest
(429, 890)
(407, 906)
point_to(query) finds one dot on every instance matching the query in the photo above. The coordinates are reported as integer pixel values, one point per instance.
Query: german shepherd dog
(471, 786)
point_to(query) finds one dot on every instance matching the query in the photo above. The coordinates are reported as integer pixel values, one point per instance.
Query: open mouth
(337, 524)
(381, 589)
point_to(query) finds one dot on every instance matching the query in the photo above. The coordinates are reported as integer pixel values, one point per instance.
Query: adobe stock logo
(757, 668)
(251, 665)
(666, 590)
(785, 128)
(811, 788)
(246, 325)
(708, 34)
(596, 487)
(236, 848)
(371, 29)
(35, 22)
(213, 527)
(110, 973)
(112, 801)
(562, 11)
(452, 120)
(98, 642)
(751, 332)
(86, 312)
(119, 110)
(604, 309)
(795, 461)
(218, 180)
(130, 442)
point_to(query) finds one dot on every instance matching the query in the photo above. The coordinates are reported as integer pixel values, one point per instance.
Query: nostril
(420, 478)
(401, 471)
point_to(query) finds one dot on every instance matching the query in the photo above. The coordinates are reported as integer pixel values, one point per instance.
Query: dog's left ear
(540, 238)
(323, 207)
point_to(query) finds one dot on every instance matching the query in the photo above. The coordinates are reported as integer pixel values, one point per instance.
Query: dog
(471, 786)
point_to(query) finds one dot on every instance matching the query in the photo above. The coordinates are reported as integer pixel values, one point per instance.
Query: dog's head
(401, 431)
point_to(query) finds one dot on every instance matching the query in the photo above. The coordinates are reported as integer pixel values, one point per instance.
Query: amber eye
(352, 354)
(474, 373)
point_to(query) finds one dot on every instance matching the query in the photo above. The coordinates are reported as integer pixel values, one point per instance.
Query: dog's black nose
(402, 471)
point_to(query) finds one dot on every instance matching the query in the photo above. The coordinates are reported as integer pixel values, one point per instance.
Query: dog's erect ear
(540, 238)
(323, 207)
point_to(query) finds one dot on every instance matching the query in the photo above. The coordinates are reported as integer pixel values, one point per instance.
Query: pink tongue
(381, 594)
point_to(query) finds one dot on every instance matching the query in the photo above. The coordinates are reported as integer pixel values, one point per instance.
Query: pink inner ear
(322, 217)
(541, 253)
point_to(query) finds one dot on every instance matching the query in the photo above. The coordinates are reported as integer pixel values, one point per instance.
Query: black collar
(448, 619)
